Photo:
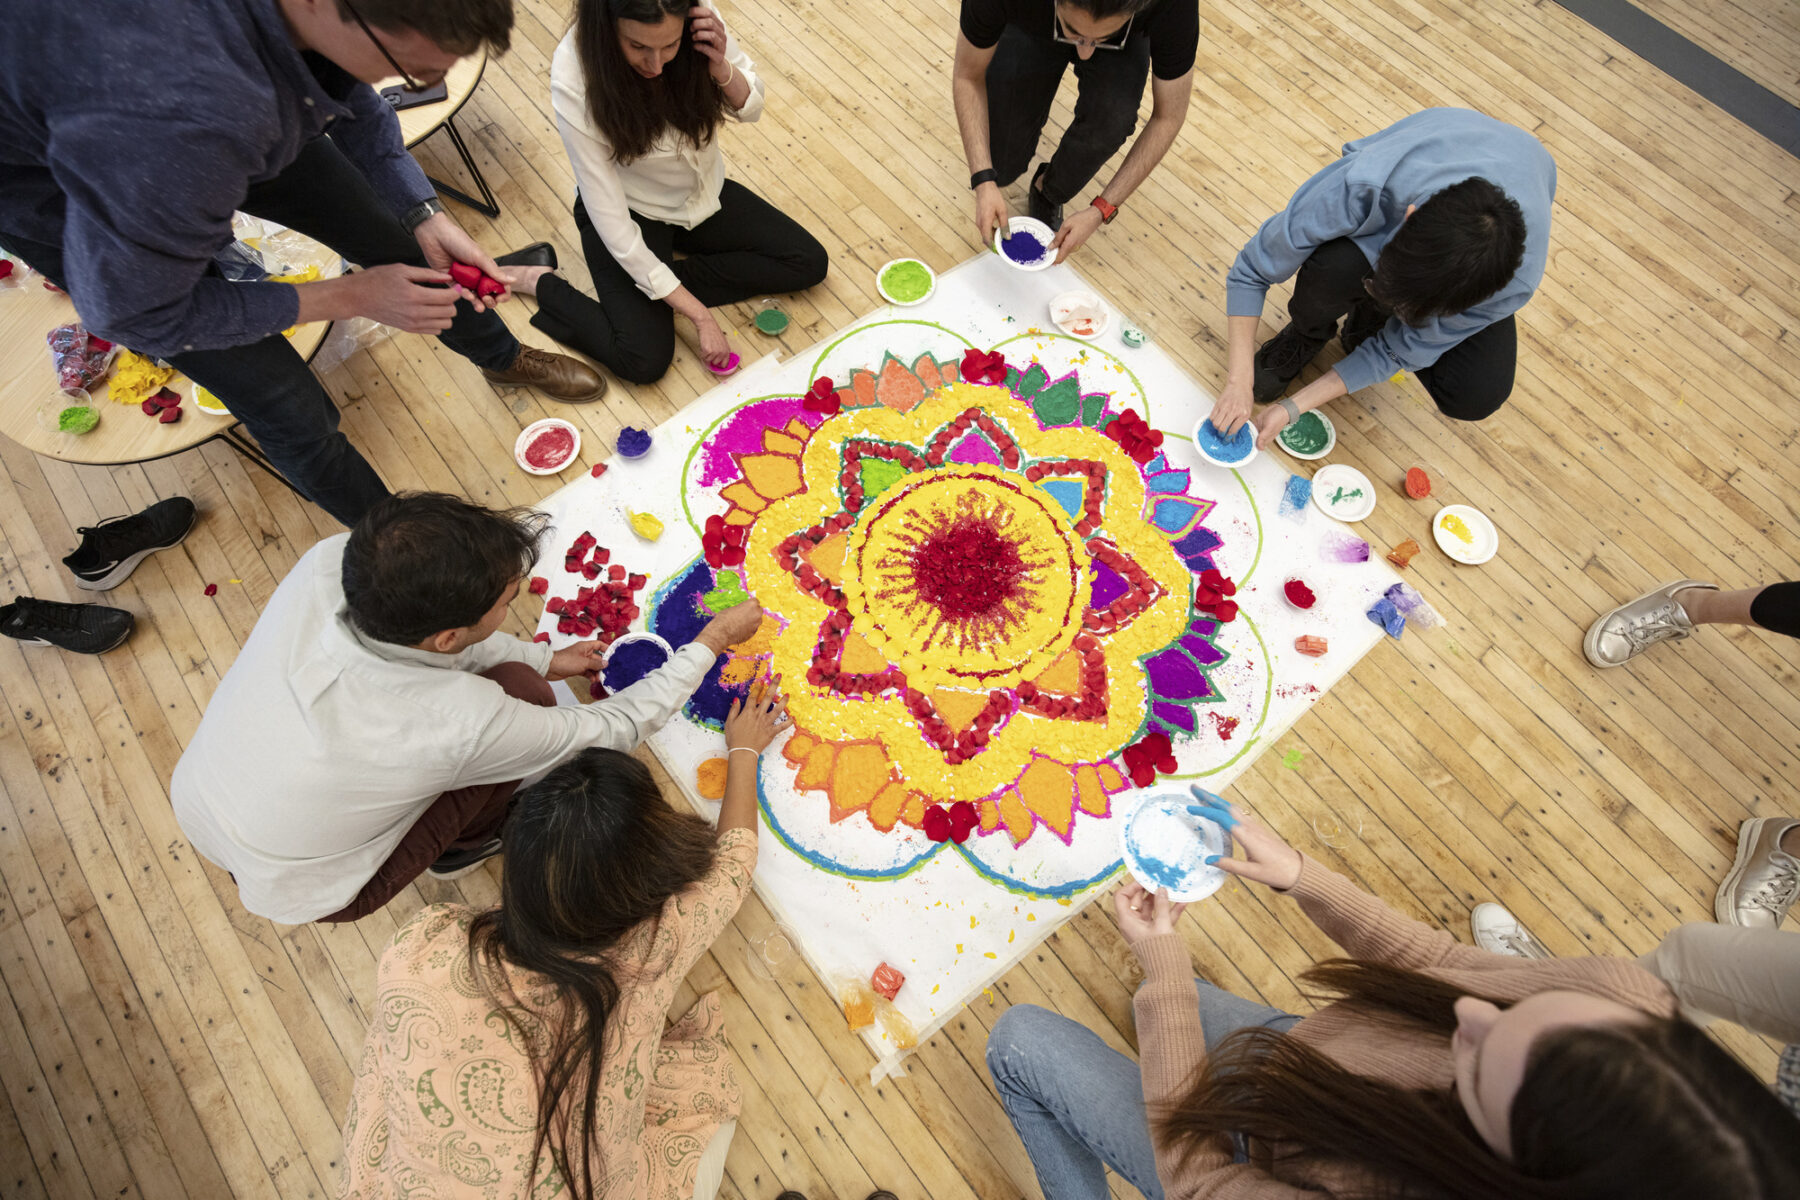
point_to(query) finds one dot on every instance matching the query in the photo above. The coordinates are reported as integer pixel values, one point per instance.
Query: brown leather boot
(558, 376)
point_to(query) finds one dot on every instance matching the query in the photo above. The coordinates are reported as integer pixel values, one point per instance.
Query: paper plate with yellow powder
(1465, 534)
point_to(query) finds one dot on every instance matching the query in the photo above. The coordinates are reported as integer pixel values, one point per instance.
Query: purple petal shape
(1174, 676)
(1201, 541)
(975, 450)
(1174, 715)
(1203, 651)
(1109, 585)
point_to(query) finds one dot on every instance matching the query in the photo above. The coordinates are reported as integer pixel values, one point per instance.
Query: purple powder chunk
(1021, 247)
(633, 442)
(631, 662)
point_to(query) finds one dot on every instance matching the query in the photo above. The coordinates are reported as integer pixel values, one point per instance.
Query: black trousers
(1022, 79)
(748, 248)
(1777, 608)
(266, 384)
(1469, 382)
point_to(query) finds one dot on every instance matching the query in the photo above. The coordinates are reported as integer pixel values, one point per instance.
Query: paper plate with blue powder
(633, 657)
(1166, 846)
(1221, 451)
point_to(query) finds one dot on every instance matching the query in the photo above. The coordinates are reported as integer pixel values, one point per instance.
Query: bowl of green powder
(905, 281)
(70, 411)
(1312, 436)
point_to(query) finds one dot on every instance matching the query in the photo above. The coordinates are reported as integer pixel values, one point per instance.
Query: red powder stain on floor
(1287, 691)
(1225, 725)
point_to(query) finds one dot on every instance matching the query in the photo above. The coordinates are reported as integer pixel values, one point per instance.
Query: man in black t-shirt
(1010, 58)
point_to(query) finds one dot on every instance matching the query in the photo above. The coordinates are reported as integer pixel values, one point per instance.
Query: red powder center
(967, 570)
(550, 448)
(1298, 594)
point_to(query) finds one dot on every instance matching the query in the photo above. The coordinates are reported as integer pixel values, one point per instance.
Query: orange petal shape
(744, 496)
(800, 429)
(862, 384)
(738, 516)
(772, 475)
(861, 771)
(776, 442)
(739, 670)
(926, 370)
(798, 747)
(827, 558)
(885, 808)
(898, 388)
(1015, 816)
(1110, 778)
(989, 814)
(860, 658)
(1048, 790)
(815, 772)
(1089, 793)
(959, 708)
(1063, 675)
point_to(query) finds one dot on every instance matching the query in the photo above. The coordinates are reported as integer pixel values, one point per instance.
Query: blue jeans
(1078, 1104)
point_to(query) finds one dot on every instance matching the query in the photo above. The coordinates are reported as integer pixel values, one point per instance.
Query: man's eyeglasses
(1112, 41)
(412, 85)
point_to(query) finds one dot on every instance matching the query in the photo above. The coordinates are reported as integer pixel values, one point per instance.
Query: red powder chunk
(1306, 643)
(169, 416)
(887, 980)
(1418, 483)
(540, 637)
(1402, 555)
(539, 585)
(212, 589)
(598, 471)
(1298, 594)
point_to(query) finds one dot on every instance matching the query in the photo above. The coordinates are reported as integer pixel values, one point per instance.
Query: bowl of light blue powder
(1166, 847)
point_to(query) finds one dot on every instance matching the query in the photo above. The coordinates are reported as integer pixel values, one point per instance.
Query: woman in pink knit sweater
(1435, 1070)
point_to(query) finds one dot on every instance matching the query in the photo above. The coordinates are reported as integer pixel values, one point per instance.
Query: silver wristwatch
(1293, 410)
(419, 213)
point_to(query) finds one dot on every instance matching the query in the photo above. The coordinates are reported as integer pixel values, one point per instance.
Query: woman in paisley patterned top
(522, 1051)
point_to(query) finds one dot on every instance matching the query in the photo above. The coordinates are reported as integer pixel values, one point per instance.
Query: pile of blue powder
(1022, 247)
(1219, 448)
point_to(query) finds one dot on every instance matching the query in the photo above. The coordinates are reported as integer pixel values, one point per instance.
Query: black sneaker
(112, 549)
(82, 628)
(454, 864)
(1279, 361)
(1040, 208)
(1365, 320)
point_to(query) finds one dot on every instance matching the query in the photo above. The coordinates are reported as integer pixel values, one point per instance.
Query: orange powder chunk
(709, 778)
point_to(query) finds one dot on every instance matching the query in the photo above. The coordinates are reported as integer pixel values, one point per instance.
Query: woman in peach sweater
(1435, 1070)
(524, 1051)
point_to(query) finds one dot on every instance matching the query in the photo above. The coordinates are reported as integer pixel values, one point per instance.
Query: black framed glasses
(1112, 41)
(412, 85)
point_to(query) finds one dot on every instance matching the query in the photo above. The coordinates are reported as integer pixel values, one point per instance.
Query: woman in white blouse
(640, 88)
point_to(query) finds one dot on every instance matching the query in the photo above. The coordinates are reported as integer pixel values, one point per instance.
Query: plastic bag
(81, 359)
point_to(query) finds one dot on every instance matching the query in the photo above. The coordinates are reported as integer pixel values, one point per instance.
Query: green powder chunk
(77, 418)
(771, 321)
(1308, 435)
(907, 281)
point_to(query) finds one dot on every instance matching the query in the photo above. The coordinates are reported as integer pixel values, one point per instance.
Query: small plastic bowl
(1228, 464)
(50, 412)
(528, 434)
(881, 285)
(1036, 229)
(730, 367)
(771, 319)
(1080, 314)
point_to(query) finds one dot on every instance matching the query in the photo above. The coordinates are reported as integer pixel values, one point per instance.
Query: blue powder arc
(1216, 445)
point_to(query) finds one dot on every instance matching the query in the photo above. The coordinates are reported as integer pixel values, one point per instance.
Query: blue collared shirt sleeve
(1329, 205)
(137, 264)
(370, 138)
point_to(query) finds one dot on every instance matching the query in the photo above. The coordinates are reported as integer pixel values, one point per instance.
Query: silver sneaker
(1498, 932)
(1635, 626)
(1764, 880)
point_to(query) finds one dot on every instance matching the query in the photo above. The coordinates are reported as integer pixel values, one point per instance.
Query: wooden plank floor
(155, 1040)
(1761, 38)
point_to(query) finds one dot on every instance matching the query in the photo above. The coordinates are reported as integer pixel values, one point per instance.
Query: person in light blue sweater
(1425, 238)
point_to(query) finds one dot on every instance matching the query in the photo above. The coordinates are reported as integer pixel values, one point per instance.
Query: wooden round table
(417, 124)
(124, 435)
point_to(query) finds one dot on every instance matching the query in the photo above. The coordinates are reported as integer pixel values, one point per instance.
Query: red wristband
(1107, 211)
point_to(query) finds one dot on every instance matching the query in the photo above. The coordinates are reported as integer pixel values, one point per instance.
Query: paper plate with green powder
(1343, 492)
(1312, 436)
(905, 281)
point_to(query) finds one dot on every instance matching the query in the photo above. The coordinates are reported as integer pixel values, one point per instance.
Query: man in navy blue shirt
(130, 130)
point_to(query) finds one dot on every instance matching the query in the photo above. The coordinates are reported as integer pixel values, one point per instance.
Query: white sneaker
(1498, 932)
(1617, 637)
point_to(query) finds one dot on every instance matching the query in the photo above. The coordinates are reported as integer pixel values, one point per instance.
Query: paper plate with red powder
(547, 446)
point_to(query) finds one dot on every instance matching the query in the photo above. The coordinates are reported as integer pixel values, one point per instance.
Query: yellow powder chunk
(135, 377)
(709, 778)
(307, 275)
(645, 525)
(1455, 526)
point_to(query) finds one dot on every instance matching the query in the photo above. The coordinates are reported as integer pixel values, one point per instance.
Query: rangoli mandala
(978, 599)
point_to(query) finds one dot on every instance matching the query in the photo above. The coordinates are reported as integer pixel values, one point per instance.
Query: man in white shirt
(372, 727)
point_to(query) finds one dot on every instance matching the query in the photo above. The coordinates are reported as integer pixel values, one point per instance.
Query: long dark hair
(592, 851)
(1642, 1110)
(630, 111)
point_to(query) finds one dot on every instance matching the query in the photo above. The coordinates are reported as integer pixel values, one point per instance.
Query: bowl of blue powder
(1024, 242)
(1166, 847)
(1222, 451)
(631, 658)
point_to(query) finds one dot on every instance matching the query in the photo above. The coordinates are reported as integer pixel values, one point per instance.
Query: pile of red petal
(821, 397)
(723, 544)
(81, 359)
(950, 825)
(1144, 759)
(607, 608)
(165, 406)
(1212, 596)
(887, 980)
(983, 366)
(1134, 436)
(5, 267)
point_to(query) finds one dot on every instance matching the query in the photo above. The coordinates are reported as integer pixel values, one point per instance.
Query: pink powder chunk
(550, 448)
